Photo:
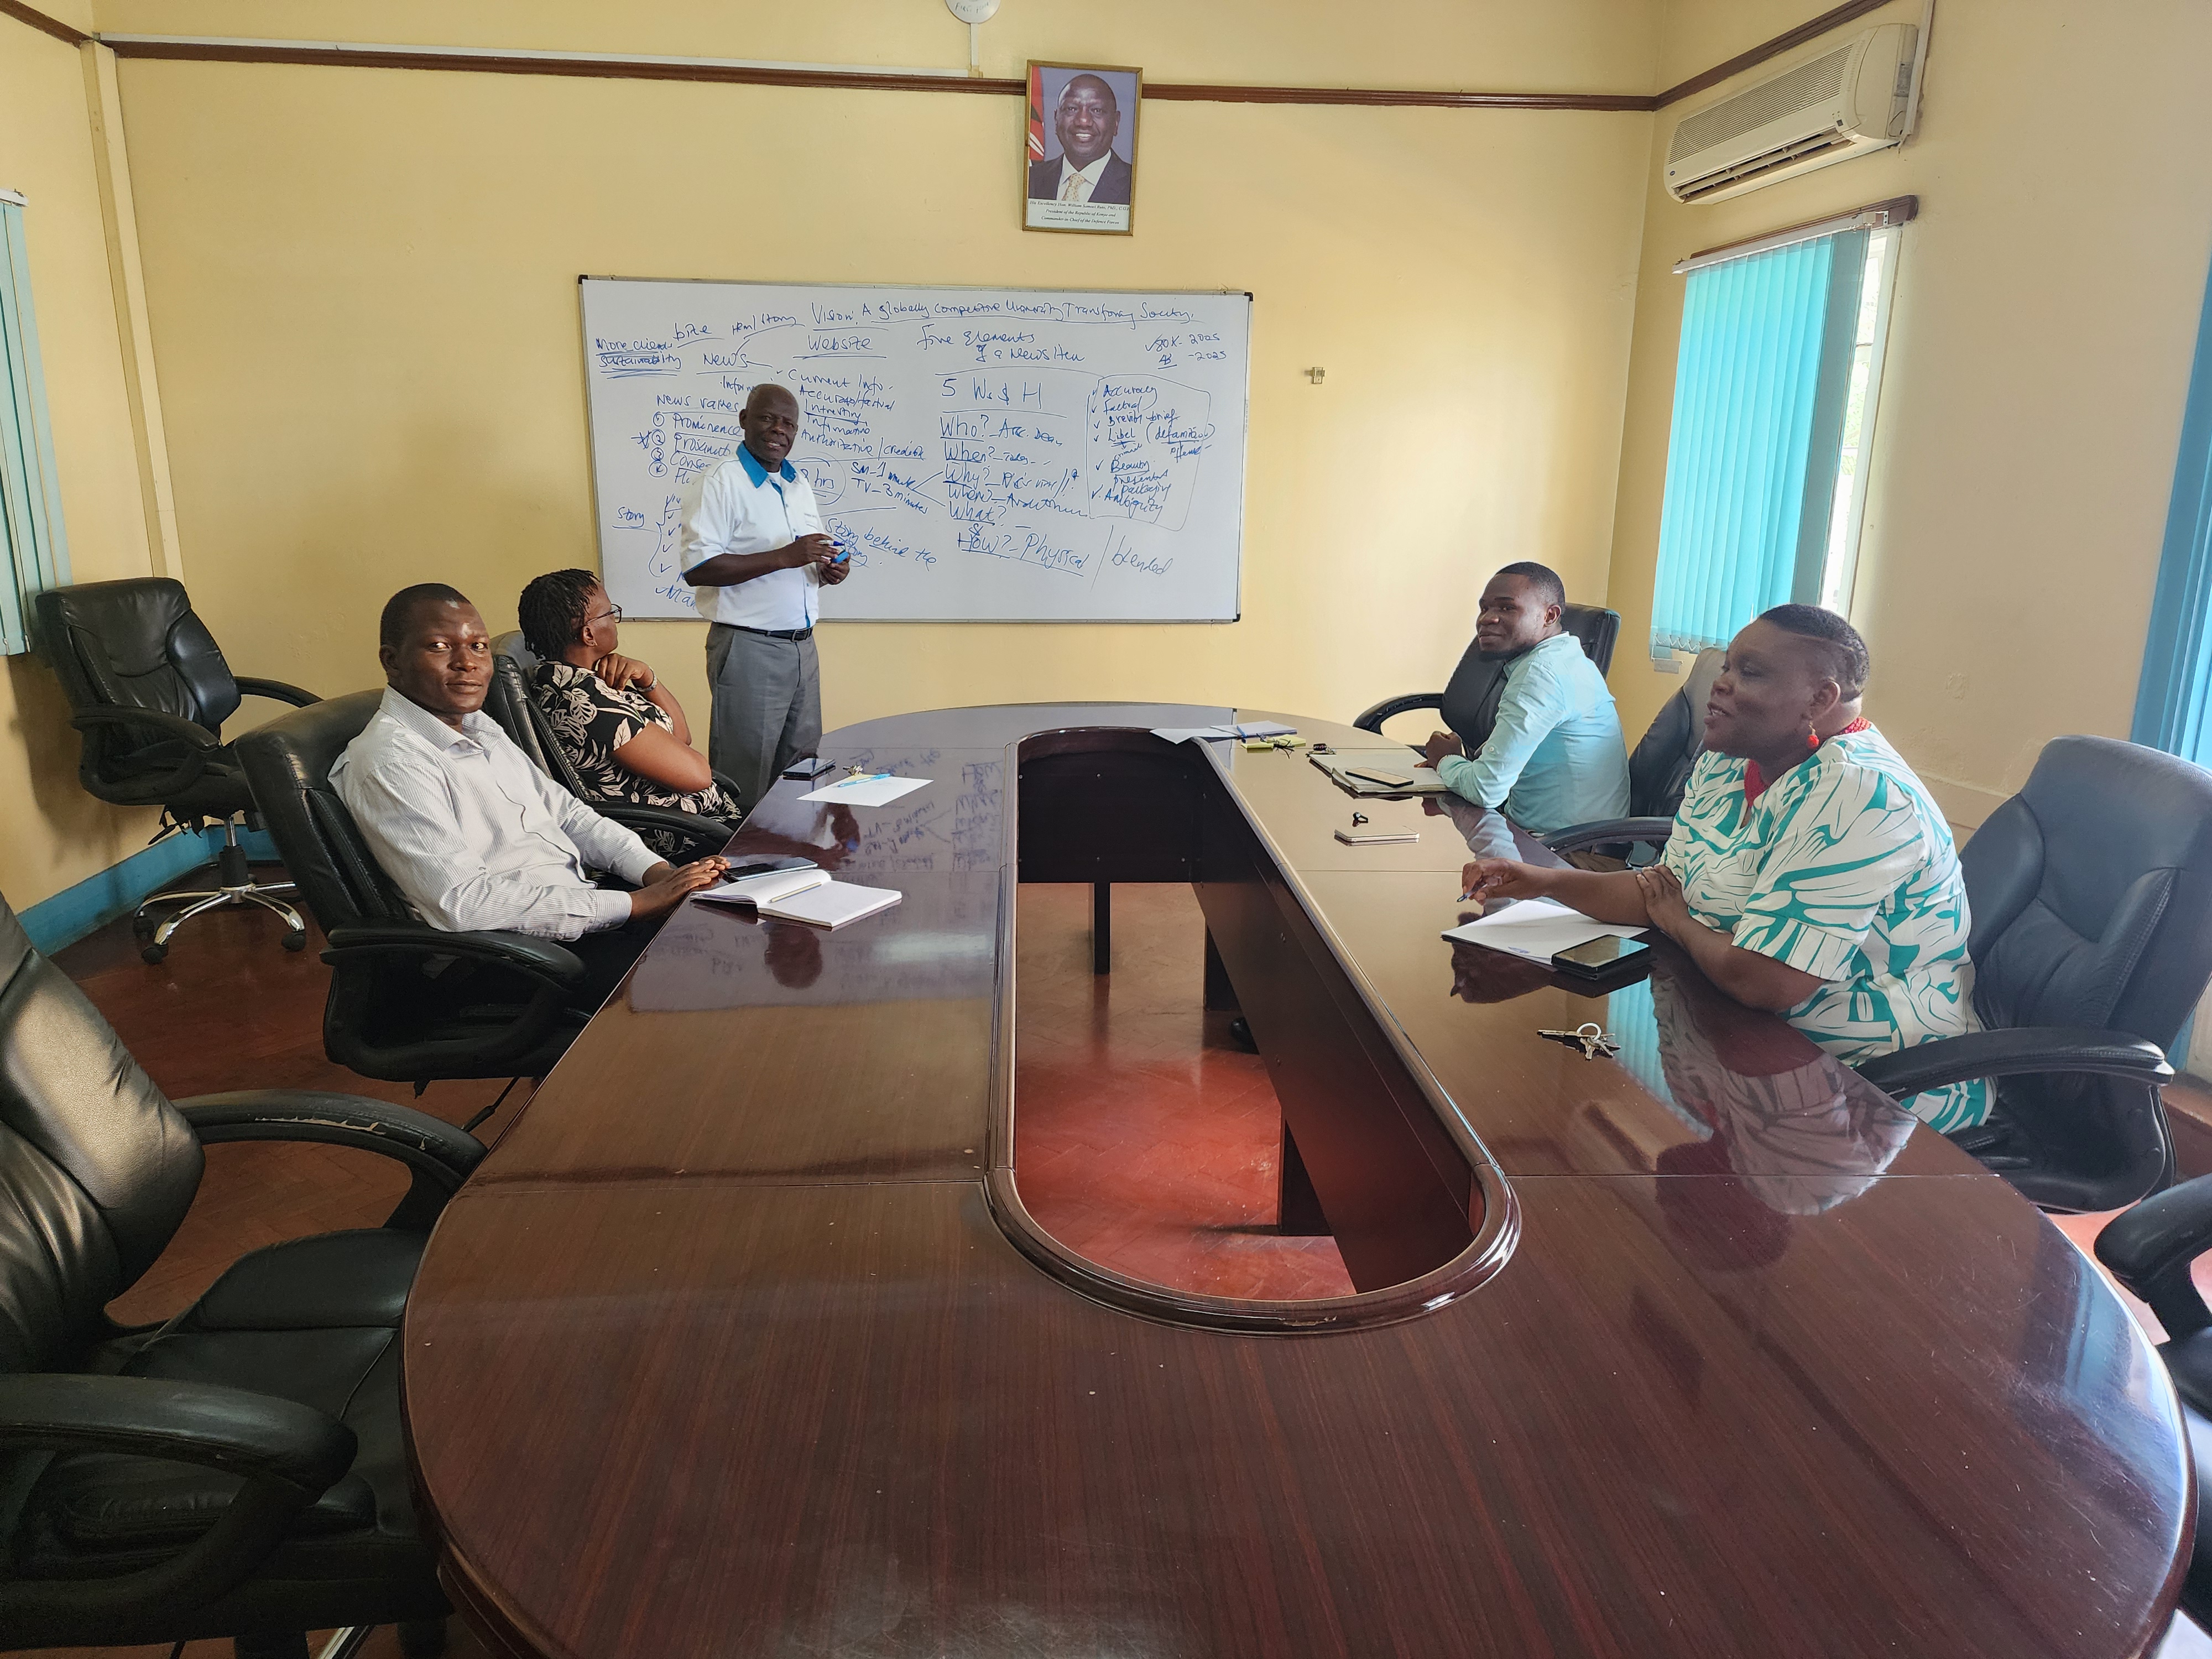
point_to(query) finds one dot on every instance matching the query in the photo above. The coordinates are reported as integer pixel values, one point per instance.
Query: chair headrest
(299, 748)
(136, 644)
(1596, 628)
(132, 619)
(513, 645)
(1697, 686)
(2109, 810)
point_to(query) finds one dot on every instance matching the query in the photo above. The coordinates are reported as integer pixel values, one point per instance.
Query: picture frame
(1080, 149)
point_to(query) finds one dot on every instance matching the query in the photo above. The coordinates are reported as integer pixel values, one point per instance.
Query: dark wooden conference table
(741, 1342)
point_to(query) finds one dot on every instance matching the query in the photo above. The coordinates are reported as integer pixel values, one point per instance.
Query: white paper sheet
(1537, 929)
(1224, 733)
(879, 791)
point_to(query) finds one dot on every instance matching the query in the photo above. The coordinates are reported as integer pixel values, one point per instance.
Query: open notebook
(807, 895)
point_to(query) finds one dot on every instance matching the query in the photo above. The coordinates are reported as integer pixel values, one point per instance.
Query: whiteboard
(985, 454)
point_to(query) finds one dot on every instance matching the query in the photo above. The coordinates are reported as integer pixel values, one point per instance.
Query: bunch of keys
(1590, 1037)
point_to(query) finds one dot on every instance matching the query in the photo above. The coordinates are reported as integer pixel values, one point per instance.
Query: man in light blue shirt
(1555, 757)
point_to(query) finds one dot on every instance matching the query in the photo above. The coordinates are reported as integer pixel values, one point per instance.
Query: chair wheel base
(296, 942)
(151, 952)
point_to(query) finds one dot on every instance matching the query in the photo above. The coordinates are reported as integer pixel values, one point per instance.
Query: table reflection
(1488, 835)
(939, 943)
(1750, 1097)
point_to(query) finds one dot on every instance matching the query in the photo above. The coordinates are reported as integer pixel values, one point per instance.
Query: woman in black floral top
(622, 731)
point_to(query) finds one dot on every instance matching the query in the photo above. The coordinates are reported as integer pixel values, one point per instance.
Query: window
(1776, 385)
(2174, 703)
(30, 495)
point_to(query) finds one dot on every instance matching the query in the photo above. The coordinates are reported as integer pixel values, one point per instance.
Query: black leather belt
(773, 633)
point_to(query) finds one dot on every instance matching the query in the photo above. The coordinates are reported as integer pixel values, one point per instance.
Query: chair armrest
(204, 1423)
(1372, 719)
(440, 1155)
(201, 745)
(287, 1453)
(276, 690)
(1576, 836)
(2149, 1250)
(428, 1145)
(2022, 1049)
(702, 836)
(149, 719)
(542, 959)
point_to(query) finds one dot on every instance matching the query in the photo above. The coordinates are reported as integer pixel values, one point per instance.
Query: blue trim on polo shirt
(758, 473)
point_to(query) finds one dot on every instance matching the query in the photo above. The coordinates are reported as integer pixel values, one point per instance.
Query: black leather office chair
(392, 1012)
(2092, 897)
(2149, 1250)
(1658, 769)
(240, 1470)
(679, 836)
(1469, 702)
(149, 689)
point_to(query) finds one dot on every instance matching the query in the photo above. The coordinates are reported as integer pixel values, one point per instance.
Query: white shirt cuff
(635, 861)
(607, 910)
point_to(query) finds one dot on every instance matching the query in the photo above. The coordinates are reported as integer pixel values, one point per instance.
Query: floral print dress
(591, 720)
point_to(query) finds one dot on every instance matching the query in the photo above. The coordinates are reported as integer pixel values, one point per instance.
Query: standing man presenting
(754, 551)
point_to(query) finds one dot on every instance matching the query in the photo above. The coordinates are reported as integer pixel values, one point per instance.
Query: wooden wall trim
(1788, 40)
(45, 25)
(598, 69)
(180, 50)
(1393, 98)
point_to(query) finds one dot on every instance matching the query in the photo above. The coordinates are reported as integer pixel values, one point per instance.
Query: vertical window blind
(2174, 699)
(1760, 387)
(30, 494)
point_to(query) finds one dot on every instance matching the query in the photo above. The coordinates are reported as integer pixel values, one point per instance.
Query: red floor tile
(1144, 1140)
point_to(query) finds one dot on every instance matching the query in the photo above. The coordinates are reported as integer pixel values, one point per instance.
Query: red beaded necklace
(1754, 781)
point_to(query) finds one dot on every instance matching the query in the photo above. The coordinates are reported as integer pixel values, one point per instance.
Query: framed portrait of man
(1080, 167)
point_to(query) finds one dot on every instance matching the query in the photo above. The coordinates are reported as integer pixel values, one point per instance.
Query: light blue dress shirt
(1556, 756)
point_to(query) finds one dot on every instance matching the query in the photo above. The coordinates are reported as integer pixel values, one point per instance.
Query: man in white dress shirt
(475, 836)
(754, 551)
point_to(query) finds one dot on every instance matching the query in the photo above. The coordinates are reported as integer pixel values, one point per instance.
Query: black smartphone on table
(1600, 956)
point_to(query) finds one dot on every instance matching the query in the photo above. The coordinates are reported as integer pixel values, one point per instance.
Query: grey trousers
(768, 706)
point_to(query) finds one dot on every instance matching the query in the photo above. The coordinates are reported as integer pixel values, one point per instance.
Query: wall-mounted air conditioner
(1847, 102)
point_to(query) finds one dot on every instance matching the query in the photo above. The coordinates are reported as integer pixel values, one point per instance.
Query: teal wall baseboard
(118, 890)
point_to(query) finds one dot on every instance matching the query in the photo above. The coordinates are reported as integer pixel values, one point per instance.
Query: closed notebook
(807, 895)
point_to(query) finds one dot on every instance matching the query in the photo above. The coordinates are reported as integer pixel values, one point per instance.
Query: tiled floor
(1144, 1138)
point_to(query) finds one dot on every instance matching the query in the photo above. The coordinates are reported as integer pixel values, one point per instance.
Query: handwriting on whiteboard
(1068, 436)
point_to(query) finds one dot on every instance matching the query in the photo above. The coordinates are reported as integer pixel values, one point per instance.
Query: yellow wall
(51, 833)
(2038, 357)
(362, 292)
(363, 285)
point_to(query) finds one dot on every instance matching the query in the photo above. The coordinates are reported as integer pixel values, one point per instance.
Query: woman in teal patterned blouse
(1808, 872)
